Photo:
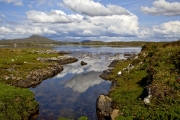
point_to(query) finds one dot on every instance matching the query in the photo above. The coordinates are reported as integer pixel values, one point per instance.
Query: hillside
(149, 86)
(34, 39)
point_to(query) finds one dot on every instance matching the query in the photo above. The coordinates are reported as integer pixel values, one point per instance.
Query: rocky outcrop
(114, 114)
(113, 63)
(83, 63)
(67, 61)
(61, 60)
(36, 77)
(103, 107)
(106, 74)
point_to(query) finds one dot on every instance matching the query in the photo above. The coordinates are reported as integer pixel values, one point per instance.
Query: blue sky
(106, 20)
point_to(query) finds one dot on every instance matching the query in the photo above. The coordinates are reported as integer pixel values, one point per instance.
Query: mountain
(39, 39)
(34, 39)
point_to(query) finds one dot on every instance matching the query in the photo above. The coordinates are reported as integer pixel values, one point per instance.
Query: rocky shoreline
(104, 104)
(37, 76)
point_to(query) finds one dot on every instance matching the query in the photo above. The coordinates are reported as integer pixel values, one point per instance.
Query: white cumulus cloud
(34, 30)
(5, 30)
(92, 8)
(168, 30)
(118, 24)
(171, 29)
(54, 16)
(77, 25)
(25, 30)
(162, 7)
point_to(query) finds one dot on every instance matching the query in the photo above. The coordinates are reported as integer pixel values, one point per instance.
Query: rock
(114, 114)
(113, 63)
(147, 99)
(23, 83)
(83, 63)
(18, 78)
(67, 61)
(7, 77)
(34, 77)
(119, 73)
(129, 55)
(106, 74)
(104, 109)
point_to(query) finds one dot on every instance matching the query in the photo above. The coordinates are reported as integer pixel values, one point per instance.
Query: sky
(104, 20)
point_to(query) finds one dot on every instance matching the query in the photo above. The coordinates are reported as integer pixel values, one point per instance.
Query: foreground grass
(158, 67)
(18, 103)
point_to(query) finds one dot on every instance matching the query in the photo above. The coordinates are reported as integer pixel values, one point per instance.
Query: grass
(160, 67)
(15, 103)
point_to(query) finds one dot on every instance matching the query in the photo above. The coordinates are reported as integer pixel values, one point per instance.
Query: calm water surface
(73, 92)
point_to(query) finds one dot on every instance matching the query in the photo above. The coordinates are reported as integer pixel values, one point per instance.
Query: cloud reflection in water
(82, 83)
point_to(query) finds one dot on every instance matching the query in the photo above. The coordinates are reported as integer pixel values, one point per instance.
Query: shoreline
(36, 77)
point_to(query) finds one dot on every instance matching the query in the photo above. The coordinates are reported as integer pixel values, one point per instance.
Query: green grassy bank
(16, 103)
(157, 68)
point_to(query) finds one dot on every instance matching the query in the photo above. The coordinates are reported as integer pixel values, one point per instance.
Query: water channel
(74, 91)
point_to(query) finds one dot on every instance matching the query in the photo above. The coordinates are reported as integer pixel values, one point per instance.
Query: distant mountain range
(34, 39)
